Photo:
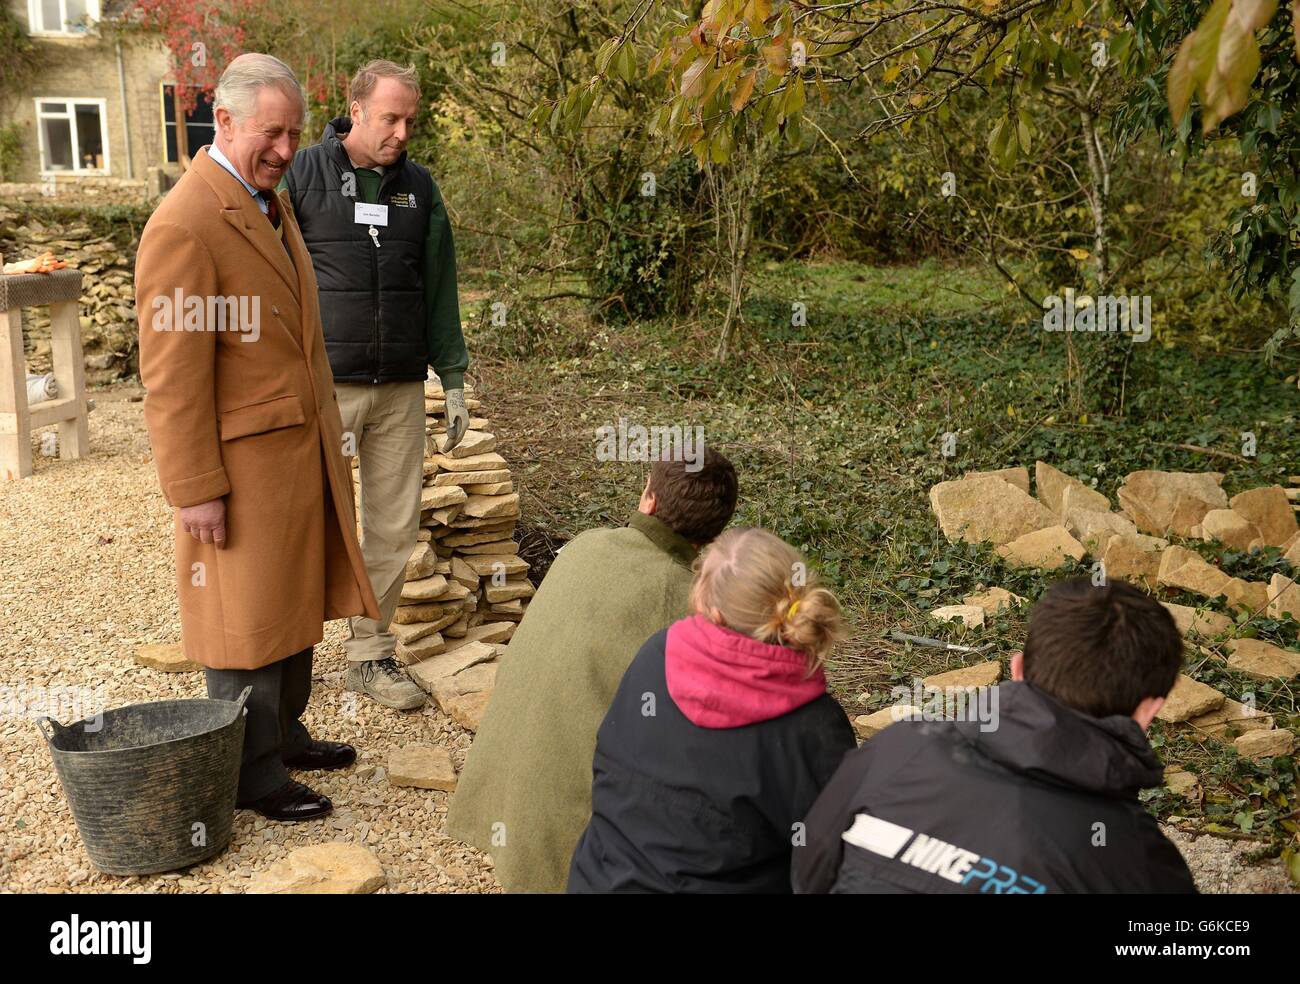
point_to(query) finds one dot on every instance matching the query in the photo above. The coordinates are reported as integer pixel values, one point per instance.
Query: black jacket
(681, 808)
(372, 299)
(1045, 802)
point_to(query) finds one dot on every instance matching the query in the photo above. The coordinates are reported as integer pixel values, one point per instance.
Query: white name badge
(370, 214)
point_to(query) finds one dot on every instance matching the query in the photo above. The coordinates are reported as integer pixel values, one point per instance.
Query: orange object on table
(41, 264)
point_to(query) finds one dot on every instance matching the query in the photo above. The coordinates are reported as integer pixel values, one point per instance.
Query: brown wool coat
(254, 421)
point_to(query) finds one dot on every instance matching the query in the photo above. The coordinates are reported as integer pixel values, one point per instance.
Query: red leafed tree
(202, 37)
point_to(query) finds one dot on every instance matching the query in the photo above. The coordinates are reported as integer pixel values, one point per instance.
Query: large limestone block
(474, 463)
(463, 573)
(441, 496)
(494, 565)
(473, 443)
(467, 711)
(1189, 698)
(971, 616)
(1051, 485)
(423, 767)
(1134, 557)
(1186, 569)
(1262, 660)
(1231, 529)
(1230, 719)
(1250, 595)
(994, 600)
(427, 673)
(1046, 549)
(1284, 597)
(165, 656)
(322, 869)
(1270, 510)
(987, 508)
(1195, 621)
(513, 588)
(425, 589)
(478, 538)
(464, 478)
(432, 611)
(410, 632)
(495, 488)
(1264, 744)
(420, 649)
(491, 506)
(484, 632)
(1291, 550)
(979, 675)
(1161, 502)
(421, 563)
(866, 725)
(1094, 528)
(1019, 477)
(494, 548)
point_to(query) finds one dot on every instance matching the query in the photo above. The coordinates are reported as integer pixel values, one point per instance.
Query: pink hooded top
(720, 678)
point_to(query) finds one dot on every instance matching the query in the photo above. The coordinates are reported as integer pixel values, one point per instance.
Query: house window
(61, 16)
(198, 124)
(73, 136)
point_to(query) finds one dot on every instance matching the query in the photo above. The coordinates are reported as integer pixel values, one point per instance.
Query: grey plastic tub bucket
(153, 787)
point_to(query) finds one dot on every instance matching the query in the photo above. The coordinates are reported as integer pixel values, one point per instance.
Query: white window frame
(70, 114)
(34, 13)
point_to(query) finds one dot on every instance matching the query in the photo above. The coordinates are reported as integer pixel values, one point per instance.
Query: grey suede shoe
(384, 680)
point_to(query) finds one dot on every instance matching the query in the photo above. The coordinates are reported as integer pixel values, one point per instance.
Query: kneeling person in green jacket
(524, 795)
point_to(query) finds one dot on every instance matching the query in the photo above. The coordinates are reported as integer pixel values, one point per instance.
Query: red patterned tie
(272, 208)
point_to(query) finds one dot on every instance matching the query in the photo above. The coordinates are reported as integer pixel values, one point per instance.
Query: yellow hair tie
(791, 610)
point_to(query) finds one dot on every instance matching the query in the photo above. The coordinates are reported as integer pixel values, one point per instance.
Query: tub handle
(50, 728)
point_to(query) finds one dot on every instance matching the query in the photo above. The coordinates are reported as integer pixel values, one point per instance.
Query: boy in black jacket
(1045, 800)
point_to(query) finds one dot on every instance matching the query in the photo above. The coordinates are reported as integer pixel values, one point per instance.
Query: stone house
(100, 105)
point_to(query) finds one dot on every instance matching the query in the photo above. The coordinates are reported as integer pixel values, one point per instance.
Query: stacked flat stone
(465, 581)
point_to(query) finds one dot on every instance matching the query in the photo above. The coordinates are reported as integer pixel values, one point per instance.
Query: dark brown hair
(698, 505)
(1102, 650)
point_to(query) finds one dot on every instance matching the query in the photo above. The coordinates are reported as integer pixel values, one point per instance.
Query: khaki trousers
(386, 421)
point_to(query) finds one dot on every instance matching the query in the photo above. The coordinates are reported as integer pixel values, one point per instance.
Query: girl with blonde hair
(721, 734)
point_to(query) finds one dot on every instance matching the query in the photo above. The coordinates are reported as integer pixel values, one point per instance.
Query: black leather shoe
(292, 801)
(322, 755)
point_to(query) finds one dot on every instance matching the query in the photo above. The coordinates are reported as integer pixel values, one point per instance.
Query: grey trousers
(272, 730)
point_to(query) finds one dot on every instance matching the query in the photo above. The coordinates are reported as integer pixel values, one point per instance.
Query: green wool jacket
(524, 795)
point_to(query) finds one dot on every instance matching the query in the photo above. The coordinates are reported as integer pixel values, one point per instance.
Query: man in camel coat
(246, 432)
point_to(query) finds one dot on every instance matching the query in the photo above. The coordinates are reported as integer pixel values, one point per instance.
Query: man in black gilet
(385, 263)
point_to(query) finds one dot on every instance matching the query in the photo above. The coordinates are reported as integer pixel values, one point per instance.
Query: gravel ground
(86, 577)
(1220, 866)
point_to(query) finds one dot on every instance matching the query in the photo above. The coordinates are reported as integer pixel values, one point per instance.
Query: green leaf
(604, 55)
(794, 98)
(625, 64)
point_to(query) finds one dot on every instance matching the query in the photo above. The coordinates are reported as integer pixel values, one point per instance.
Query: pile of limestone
(1066, 518)
(466, 585)
(106, 308)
